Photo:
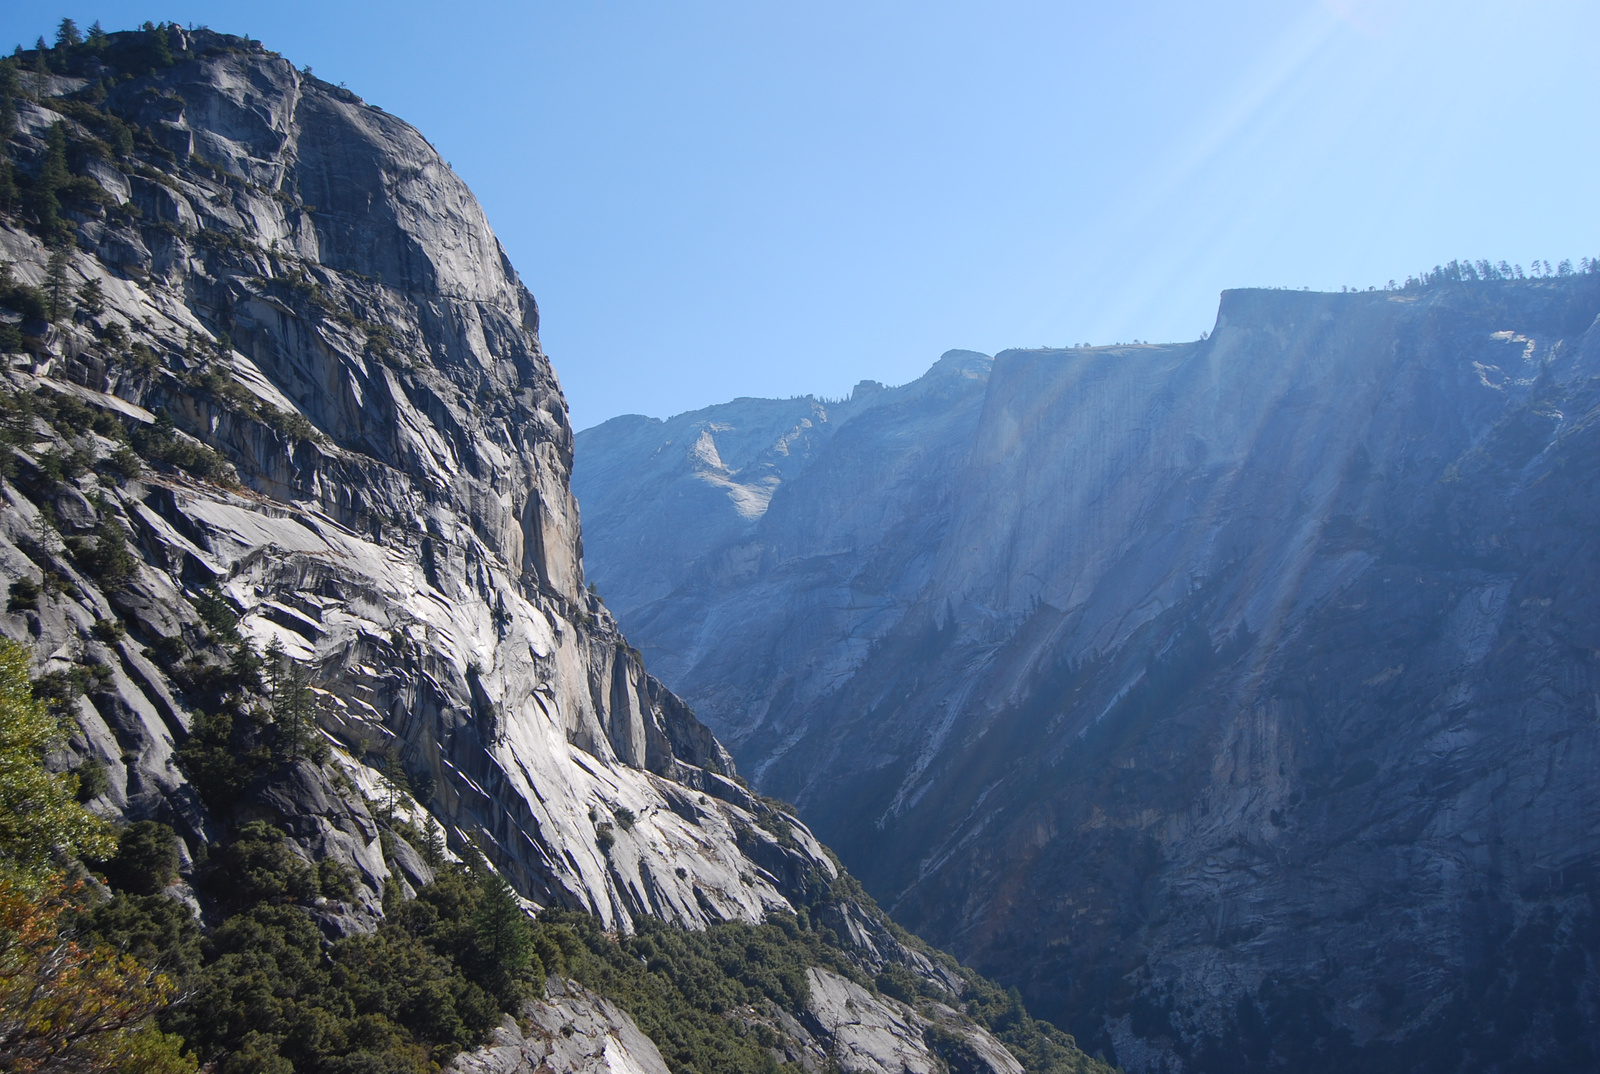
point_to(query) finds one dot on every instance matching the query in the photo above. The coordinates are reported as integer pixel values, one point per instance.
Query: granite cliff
(274, 390)
(1236, 699)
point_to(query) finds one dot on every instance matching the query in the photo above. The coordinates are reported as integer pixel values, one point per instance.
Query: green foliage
(109, 631)
(39, 813)
(67, 35)
(123, 463)
(336, 880)
(8, 104)
(220, 762)
(219, 383)
(161, 443)
(433, 847)
(1039, 1045)
(271, 994)
(114, 138)
(70, 1003)
(141, 359)
(24, 595)
(67, 414)
(683, 988)
(503, 940)
(294, 708)
(23, 298)
(260, 866)
(113, 335)
(93, 780)
(160, 45)
(43, 195)
(900, 983)
(160, 932)
(255, 713)
(55, 283)
(8, 176)
(146, 860)
(108, 558)
(219, 614)
(60, 689)
(55, 187)
(55, 468)
(91, 298)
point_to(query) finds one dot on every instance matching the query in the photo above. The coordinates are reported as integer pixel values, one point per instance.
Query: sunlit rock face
(403, 525)
(570, 1030)
(352, 454)
(1237, 699)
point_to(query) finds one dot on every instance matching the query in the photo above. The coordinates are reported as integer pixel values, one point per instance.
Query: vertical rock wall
(1235, 699)
(321, 300)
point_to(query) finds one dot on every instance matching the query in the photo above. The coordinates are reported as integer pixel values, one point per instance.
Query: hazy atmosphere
(714, 200)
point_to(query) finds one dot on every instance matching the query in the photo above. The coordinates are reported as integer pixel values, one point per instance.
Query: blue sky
(713, 200)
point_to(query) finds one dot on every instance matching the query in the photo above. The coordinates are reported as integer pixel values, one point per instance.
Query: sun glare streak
(1258, 161)
(1369, 18)
(1257, 93)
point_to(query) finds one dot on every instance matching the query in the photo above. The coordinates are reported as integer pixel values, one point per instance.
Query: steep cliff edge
(1244, 710)
(273, 390)
(316, 296)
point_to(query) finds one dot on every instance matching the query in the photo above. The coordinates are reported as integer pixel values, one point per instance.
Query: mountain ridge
(1050, 734)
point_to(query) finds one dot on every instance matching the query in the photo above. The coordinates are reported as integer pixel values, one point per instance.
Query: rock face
(571, 1030)
(877, 1035)
(321, 299)
(353, 457)
(1237, 700)
(802, 528)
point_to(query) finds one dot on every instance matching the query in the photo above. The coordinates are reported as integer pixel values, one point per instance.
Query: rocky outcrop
(571, 1030)
(873, 1034)
(309, 290)
(1234, 699)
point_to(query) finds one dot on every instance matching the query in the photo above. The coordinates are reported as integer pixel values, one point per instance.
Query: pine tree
(433, 849)
(97, 37)
(8, 127)
(52, 177)
(501, 934)
(394, 781)
(8, 100)
(67, 35)
(293, 706)
(162, 47)
(41, 67)
(92, 298)
(56, 281)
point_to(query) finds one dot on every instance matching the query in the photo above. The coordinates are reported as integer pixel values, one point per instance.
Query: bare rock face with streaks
(319, 299)
(571, 1030)
(1236, 700)
(288, 526)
